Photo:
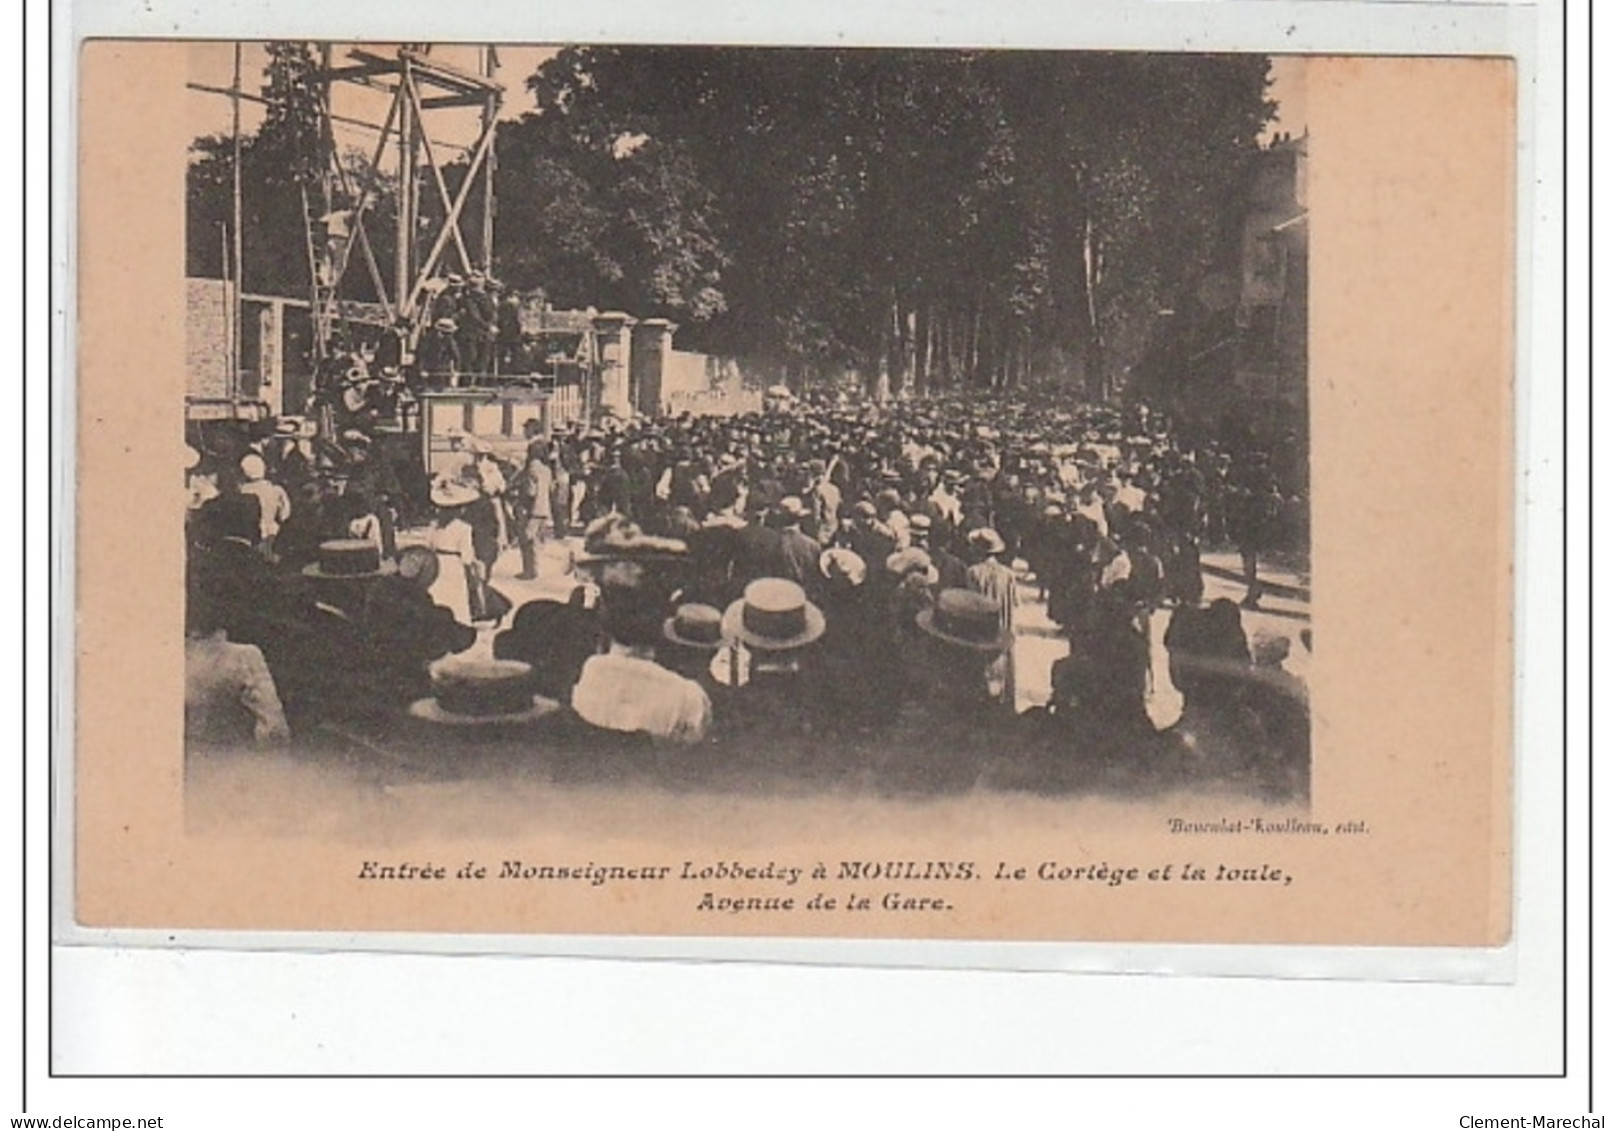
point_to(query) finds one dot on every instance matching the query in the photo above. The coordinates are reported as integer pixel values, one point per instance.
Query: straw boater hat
(837, 562)
(774, 615)
(349, 559)
(695, 626)
(987, 540)
(615, 539)
(476, 692)
(453, 493)
(791, 507)
(913, 560)
(966, 620)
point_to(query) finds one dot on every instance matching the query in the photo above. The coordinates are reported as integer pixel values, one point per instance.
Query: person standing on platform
(508, 345)
(437, 355)
(478, 326)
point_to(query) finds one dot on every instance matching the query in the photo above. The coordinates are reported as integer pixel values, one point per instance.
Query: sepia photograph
(775, 421)
(750, 541)
(820, 492)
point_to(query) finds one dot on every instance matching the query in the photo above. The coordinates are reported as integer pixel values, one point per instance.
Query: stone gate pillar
(612, 332)
(652, 342)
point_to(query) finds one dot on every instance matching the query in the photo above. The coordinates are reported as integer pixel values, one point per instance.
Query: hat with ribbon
(965, 620)
(695, 626)
(773, 615)
(840, 563)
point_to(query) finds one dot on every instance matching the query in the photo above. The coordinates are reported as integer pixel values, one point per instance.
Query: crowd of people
(468, 331)
(835, 581)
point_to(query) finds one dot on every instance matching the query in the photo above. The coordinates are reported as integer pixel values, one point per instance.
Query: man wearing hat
(775, 704)
(757, 549)
(478, 319)
(691, 637)
(996, 581)
(798, 554)
(533, 496)
(437, 355)
(868, 537)
(225, 567)
(956, 718)
(508, 341)
(824, 500)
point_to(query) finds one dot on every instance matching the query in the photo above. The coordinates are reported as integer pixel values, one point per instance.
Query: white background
(210, 1012)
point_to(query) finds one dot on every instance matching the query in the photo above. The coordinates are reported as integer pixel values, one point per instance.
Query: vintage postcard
(689, 492)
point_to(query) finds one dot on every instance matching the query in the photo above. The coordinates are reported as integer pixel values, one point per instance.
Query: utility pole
(235, 229)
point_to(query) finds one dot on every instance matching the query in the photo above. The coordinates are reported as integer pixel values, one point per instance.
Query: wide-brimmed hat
(349, 559)
(912, 560)
(448, 325)
(476, 692)
(837, 562)
(614, 538)
(296, 427)
(453, 493)
(792, 507)
(966, 620)
(418, 564)
(695, 626)
(987, 540)
(431, 711)
(774, 615)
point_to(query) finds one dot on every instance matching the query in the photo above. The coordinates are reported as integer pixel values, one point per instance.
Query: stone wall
(207, 338)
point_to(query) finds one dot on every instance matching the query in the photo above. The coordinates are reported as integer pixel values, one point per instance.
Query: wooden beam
(449, 209)
(360, 123)
(453, 219)
(444, 101)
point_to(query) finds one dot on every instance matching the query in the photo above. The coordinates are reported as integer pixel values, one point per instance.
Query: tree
(924, 215)
(281, 185)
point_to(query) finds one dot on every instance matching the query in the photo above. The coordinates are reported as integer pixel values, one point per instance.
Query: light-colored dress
(456, 555)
